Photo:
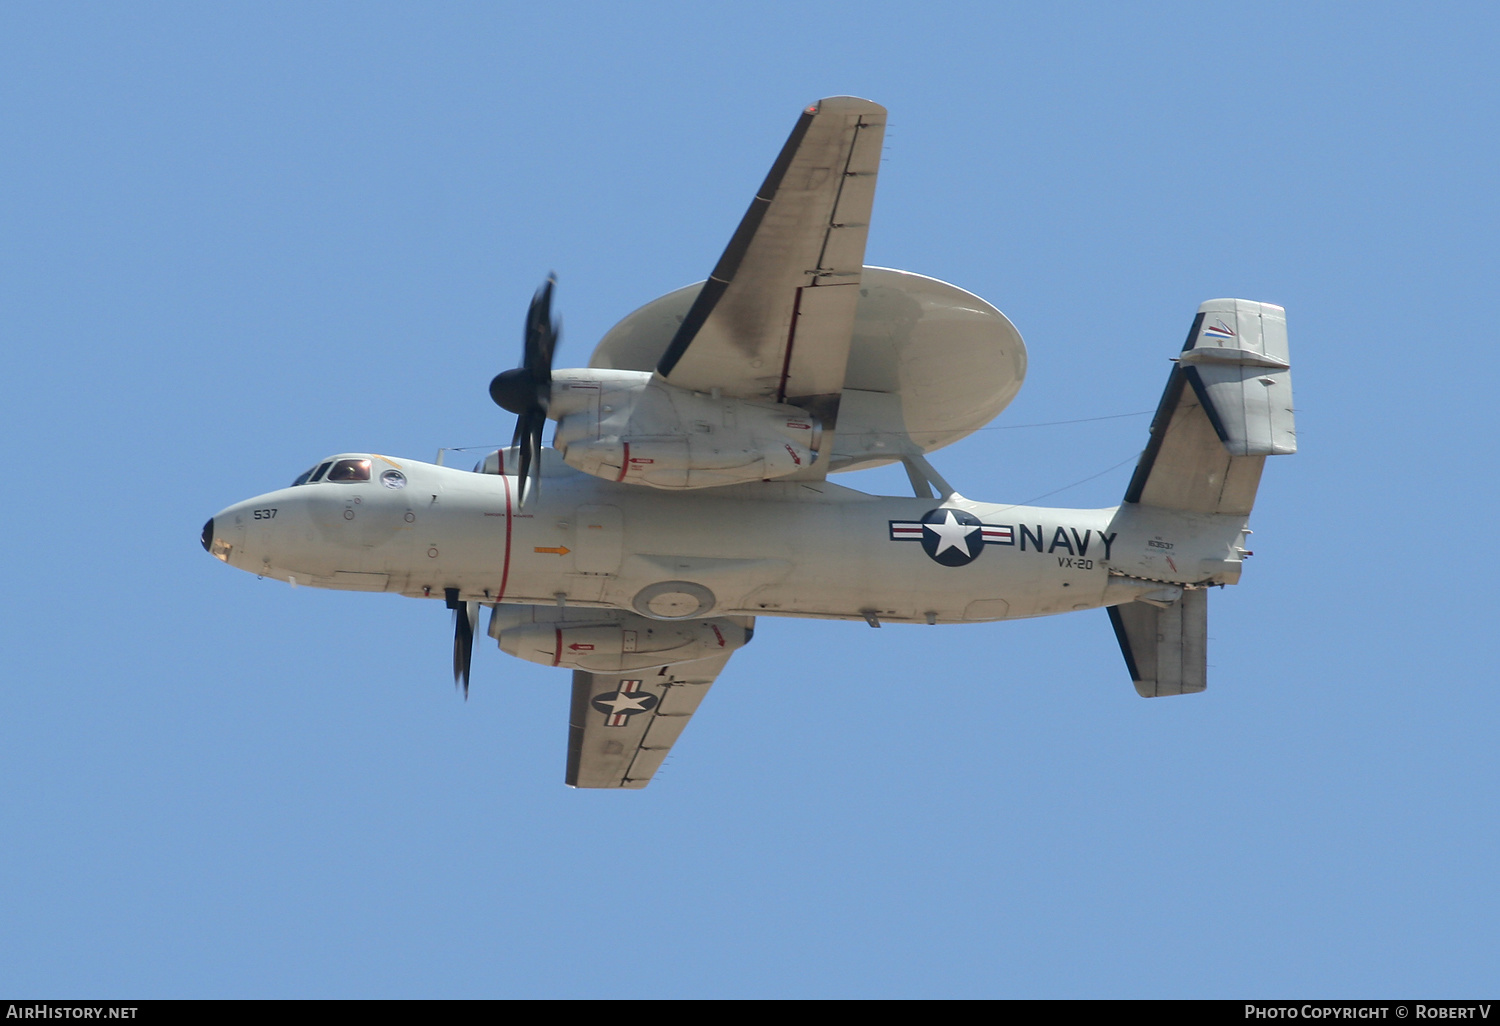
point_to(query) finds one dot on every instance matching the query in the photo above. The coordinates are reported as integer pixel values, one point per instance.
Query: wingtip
(844, 105)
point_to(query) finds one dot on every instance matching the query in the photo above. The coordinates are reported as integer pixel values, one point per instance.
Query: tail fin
(1227, 406)
(1165, 646)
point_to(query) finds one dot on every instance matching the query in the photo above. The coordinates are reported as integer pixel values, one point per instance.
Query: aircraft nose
(208, 535)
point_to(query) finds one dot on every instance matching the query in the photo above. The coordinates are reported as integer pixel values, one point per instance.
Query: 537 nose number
(265, 514)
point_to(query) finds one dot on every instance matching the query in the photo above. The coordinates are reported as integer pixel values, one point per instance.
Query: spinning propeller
(465, 616)
(527, 390)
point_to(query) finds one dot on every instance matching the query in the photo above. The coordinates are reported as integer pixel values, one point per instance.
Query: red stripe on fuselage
(505, 566)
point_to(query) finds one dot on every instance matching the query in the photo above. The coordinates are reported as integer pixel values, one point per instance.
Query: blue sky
(238, 237)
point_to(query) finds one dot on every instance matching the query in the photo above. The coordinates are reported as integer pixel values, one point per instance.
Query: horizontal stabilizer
(1165, 648)
(1227, 406)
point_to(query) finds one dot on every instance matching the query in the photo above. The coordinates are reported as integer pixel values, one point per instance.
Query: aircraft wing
(622, 725)
(775, 318)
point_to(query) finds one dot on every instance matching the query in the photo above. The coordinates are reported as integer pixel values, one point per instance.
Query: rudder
(1227, 406)
(1165, 647)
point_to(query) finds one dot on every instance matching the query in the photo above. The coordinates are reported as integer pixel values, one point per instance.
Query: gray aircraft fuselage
(811, 549)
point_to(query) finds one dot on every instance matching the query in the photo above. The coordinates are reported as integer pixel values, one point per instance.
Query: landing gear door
(598, 539)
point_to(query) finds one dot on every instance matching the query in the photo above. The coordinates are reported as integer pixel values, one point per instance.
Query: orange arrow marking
(561, 550)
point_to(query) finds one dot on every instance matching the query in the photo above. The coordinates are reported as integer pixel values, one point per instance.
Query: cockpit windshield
(350, 471)
(345, 471)
(312, 474)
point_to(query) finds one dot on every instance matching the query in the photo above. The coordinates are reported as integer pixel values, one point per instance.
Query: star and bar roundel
(619, 706)
(950, 536)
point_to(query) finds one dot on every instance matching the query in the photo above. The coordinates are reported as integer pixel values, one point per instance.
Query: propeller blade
(464, 616)
(528, 444)
(526, 390)
(541, 339)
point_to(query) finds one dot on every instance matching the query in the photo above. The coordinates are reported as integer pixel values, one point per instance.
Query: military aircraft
(686, 490)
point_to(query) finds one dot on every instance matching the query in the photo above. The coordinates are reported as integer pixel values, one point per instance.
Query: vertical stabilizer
(1227, 406)
(1165, 648)
(1239, 366)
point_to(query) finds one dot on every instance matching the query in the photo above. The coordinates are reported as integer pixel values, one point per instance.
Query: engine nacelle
(628, 426)
(685, 462)
(609, 641)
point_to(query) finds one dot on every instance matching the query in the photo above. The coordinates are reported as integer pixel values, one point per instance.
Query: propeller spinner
(526, 390)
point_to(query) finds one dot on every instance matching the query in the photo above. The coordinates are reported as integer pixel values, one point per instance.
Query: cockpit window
(302, 477)
(350, 470)
(322, 469)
